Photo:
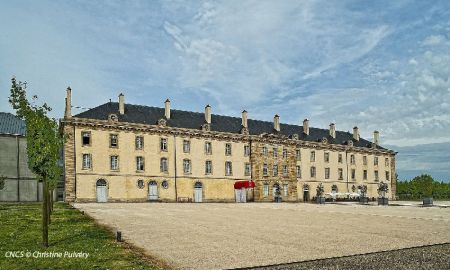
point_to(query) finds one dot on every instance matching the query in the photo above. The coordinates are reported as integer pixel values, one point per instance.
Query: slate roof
(193, 120)
(11, 124)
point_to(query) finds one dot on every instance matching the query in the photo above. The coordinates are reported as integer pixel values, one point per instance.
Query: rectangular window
(247, 169)
(286, 189)
(364, 160)
(353, 174)
(228, 168)
(139, 163)
(313, 156)
(163, 165)
(387, 176)
(275, 152)
(365, 174)
(285, 153)
(87, 161)
(313, 172)
(208, 167)
(265, 169)
(266, 190)
(113, 140)
(340, 173)
(375, 161)
(114, 161)
(86, 138)
(265, 151)
(386, 162)
(246, 150)
(376, 175)
(208, 148)
(285, 170)
(275, 170)
(186, 166)
(326, 157)
(298, 171)
(327, 173)
(352, 159)
(139, 142)
(340, 158)
(298, 155)
(228, 149)
(163, 144)
(186, 146)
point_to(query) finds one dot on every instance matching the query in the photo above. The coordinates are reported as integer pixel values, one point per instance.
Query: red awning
(244, 184)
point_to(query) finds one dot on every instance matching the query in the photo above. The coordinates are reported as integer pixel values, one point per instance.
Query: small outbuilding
(243, 191)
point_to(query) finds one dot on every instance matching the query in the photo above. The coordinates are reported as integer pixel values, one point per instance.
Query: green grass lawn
(20, 230)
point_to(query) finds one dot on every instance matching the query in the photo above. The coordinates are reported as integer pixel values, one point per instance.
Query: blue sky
(381, 65)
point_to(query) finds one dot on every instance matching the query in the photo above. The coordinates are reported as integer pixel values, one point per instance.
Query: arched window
(101, 183)
(334, 189)
(198, 185)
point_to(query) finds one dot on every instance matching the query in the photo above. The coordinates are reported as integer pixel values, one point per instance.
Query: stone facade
(333, 163)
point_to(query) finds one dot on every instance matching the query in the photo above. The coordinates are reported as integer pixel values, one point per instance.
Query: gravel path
(218, 236)
(435, 257)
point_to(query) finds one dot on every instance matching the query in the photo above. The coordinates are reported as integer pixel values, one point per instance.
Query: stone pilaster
(69, 163)
(393, 179)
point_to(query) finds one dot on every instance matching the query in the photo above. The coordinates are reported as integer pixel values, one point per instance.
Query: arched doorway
(102, 190)
(152, 191)
(198, 192)
(305, 193)
(276, 191)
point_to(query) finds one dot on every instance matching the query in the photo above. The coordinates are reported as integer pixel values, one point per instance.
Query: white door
(198, 192)
(237, 193)
(102, 191)
(153, 191)
(243, 195)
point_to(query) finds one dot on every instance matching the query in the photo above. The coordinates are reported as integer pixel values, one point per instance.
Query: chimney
(208, 114)
(356, 133)
(244, 118)
(167, 109)
(121, 103)
(376, 137)
(306, 126)
(68, 111)
(276, 122)
(333, 130)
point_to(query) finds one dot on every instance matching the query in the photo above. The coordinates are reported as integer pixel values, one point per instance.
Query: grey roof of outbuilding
(11, 124)
(194, 120)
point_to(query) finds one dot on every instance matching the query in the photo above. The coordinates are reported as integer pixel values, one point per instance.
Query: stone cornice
(237, 137)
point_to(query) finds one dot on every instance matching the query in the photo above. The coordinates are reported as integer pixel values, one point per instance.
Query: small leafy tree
(383, 188)
(320, 190)
(363, 190)
(44, 142)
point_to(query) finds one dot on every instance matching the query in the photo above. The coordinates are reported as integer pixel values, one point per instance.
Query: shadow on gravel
(428, 257)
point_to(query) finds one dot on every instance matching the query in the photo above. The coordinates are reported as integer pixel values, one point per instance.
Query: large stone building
(119, 152)
(17, 182)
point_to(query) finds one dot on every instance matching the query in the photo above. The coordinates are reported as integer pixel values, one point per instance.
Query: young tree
(43, 145)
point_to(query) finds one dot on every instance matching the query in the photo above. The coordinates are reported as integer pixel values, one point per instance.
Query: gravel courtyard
(218, 236)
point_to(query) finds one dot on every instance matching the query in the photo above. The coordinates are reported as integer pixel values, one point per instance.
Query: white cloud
(434, 40)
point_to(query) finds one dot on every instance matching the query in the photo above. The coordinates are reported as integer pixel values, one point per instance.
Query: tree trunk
(49, 203)
(53, 201)
(44, 214)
